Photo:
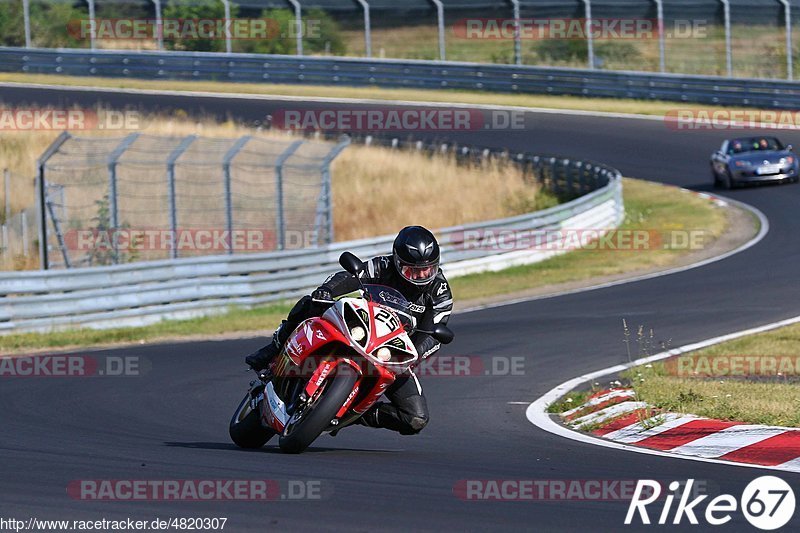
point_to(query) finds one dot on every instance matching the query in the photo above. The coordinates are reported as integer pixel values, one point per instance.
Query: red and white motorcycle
(332, 369)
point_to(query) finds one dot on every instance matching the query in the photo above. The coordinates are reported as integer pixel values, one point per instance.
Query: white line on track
(536, 411)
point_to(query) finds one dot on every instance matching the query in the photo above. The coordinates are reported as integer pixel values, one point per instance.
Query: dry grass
(377, 190)
(609, 105)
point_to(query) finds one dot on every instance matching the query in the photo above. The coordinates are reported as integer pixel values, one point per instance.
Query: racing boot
(260, 360)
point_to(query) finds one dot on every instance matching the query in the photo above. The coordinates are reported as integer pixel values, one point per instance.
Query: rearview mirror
(790, 147)
(443, 334)
(351, 263)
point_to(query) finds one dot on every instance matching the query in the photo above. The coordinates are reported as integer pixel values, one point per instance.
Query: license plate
(769, 169)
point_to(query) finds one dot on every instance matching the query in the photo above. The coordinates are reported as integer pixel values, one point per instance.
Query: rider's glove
(322, 295)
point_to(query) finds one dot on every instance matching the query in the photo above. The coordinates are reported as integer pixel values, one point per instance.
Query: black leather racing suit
(430, 304)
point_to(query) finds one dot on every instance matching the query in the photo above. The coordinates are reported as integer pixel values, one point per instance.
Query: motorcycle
(332, 369)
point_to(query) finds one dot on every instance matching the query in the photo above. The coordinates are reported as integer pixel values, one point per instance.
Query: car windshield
(394, 300)
(754, 144)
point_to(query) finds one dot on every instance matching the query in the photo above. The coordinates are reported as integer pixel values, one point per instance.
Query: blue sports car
(753, 159)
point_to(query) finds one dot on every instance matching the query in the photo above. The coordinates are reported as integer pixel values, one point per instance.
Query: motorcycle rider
(412, 269)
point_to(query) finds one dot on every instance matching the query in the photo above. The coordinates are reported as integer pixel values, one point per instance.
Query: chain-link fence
(743, 38)
(18, 233)
(143, 197)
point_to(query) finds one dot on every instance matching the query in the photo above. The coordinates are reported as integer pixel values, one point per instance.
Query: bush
(324, 34)
(51, 23)
(200, 9)
(577, 51)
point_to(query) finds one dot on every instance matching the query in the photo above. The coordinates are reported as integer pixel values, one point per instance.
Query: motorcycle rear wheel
(317, 416)
(246, 429)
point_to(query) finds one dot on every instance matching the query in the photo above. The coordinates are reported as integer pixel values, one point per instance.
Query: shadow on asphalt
(269, 449)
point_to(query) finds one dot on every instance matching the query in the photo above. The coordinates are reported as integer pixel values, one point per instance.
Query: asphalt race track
(171, 422)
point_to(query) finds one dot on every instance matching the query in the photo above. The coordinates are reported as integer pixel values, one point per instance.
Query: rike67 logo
(767, 502)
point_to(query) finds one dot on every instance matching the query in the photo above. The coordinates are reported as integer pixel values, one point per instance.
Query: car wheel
(727, 182)
(715, 176)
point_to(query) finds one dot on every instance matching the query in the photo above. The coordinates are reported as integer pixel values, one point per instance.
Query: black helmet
(416, 255)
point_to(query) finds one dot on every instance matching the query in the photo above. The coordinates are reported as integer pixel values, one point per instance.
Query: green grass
(570, 401)
(767, 400)
(648, 205)
(260, 319)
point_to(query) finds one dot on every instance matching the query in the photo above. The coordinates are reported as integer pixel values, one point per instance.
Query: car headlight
(742, 164)
(787, 160)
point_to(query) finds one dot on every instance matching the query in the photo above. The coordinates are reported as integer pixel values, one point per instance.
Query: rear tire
(246, 429)
(320, 414)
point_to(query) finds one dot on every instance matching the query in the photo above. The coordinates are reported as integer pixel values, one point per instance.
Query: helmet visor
(418, 275)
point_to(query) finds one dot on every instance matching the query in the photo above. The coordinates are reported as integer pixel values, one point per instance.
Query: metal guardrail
(141, 293)
(255, 68)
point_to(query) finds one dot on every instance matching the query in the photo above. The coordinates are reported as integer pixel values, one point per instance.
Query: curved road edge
(762, 232)
(537, 414)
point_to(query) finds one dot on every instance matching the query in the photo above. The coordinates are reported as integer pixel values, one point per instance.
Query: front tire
(318, 415)
(727, 181)
(246, 429)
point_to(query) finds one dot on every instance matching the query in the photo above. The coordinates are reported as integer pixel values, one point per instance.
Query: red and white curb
(616, 415)
(636, 428)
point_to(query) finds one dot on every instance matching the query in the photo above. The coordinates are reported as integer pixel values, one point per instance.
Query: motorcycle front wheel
(310, 420)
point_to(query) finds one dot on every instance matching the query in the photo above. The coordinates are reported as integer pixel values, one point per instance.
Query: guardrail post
(173, 211)
(440, 24)
(24, 220)
(298, 21)
(517, 34)
(787, 16)
(41, 185)
(159, 25)
(26, 17)
(726, 8)
(326, 194)
(662, 56)
(280, 221)
(92, 24)
(113, 213)
(367, 28)
(587, 5)
(7, 192)
(227, 5)
(226, 171)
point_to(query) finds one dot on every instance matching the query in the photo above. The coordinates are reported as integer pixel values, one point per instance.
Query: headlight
(358, 333)
(787, 160)
(384, 354)
(742, 164)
